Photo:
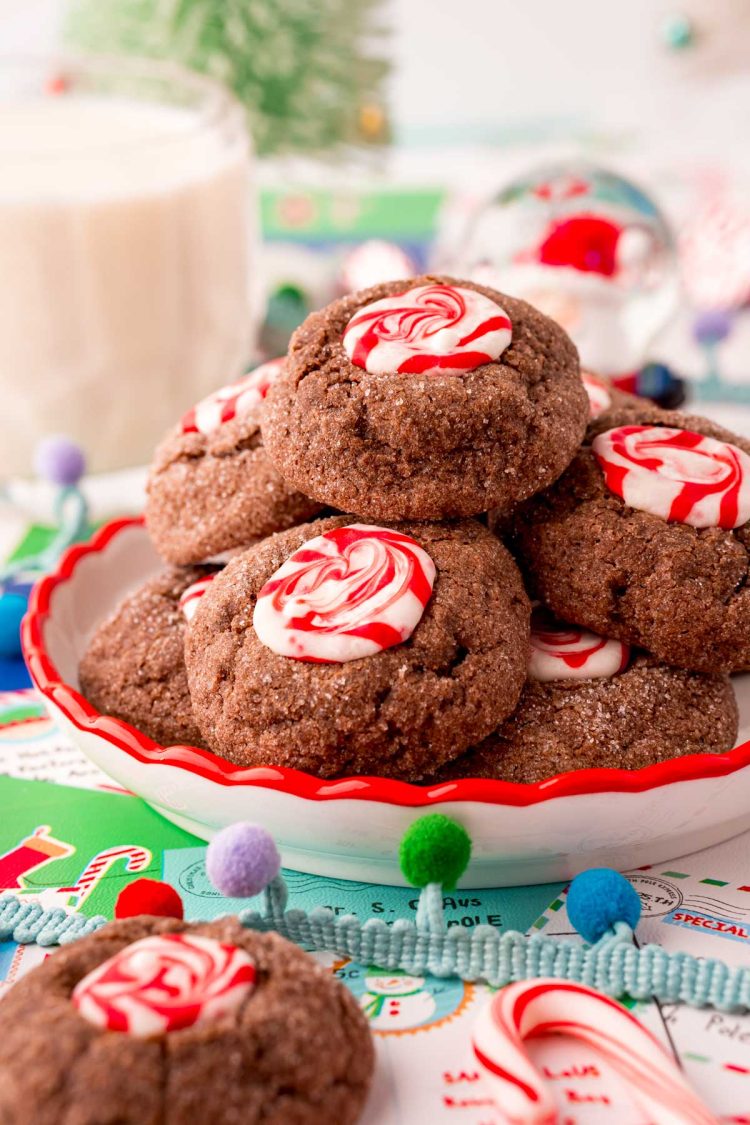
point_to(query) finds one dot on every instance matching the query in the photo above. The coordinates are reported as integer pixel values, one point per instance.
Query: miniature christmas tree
(302, 68)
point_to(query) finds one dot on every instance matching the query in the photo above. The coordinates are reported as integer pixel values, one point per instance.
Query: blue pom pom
(598, 898)
(242, 860)
(59, 460)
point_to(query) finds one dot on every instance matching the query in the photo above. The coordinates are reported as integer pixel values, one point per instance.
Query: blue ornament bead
(712, 326)
(242, 860)
(12, 608)
(598, 898)
(59, 460)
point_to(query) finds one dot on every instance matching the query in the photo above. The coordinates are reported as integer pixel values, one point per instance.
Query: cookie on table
(134, 666)
(346, 648)
(592, 703)
(645, 537)
(211, 486)
(428, 399)
(152, 1021)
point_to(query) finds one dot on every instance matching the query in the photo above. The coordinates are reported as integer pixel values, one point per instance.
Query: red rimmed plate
(350, 828)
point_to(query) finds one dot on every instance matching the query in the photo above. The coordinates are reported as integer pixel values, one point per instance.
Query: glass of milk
(127, 245)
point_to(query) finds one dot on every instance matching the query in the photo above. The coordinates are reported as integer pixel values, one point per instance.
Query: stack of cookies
(355, 534)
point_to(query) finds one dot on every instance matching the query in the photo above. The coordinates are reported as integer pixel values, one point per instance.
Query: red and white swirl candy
(190, 597)
(676, 474)
(599, 396)
(530, 1009)
(346, 594)
(565, 652)
(236, 400)
(428, 330)
(165, 982)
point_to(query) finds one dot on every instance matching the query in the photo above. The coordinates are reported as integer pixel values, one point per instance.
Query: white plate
(351, 828)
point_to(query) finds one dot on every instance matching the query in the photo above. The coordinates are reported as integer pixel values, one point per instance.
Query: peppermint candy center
(165, 982)
(346, 594)
(192, 595)
(428, 330)
(564, 652)
(235, 401)
(678, 475)
(599, 396)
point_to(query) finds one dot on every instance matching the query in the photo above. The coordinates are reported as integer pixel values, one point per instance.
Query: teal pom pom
(598, 898)
(434, 849)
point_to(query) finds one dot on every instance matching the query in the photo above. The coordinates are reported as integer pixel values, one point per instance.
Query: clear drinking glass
(127, 243)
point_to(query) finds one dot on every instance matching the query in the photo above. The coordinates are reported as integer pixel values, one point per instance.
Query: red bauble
(148, 896)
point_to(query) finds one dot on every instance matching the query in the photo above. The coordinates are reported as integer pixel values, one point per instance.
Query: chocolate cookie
(645, 537)
(249, 1029)
(211, 487)
(443, 400)
(134, 666)
(342, 648)
(590, 703)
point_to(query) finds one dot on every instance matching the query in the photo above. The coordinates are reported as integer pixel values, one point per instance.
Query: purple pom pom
(242, 860)
(59, 460)
(712, 326)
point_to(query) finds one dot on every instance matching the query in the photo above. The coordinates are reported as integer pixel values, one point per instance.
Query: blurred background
(161, 233)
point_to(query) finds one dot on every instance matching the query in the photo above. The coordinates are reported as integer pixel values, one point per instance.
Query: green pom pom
(434, 849)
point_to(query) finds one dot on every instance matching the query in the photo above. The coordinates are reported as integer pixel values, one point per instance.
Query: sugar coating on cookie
(346, 594)
(676, 474)
(292, 1044)
(431, 407)
(211, 487)
(649, 578)
(644, 715)
(134, 664)
(565, 652)
(428, 330)
(396, 711)
(165, 982)
(236, 400)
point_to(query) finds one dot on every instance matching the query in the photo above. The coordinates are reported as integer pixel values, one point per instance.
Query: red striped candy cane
(137, 860)
(530, 1009)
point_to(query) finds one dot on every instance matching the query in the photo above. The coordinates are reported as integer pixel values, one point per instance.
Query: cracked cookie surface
(679, 592)
(405, 446)
(296, 1052)
(400, 713)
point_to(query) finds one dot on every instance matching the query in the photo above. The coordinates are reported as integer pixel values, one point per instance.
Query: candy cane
(676, 474)
(348, 593)
(137, 860)
(530, 1009)
(428, 330)
(165, 982)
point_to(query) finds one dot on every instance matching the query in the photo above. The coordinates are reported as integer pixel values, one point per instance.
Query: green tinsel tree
(303, 68)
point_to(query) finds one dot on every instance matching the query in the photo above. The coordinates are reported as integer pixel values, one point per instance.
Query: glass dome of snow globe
(587, 247)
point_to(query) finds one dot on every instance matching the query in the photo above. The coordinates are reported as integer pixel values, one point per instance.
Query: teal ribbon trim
(29, 923)
(614, 965)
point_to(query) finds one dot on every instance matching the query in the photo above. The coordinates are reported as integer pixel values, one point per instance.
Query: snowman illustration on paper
(396, 1003)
